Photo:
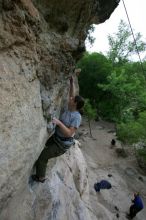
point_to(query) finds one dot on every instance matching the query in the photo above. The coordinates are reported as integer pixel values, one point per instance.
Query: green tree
(94, 69)
(90, 112)
(122, 45)
(127, 91)
(129, 132)
(134, 132)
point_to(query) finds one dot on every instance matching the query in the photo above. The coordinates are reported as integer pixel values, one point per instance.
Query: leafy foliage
(90, 112)
(95, 68)
(127, 92)
(116, 86)
(133, 131)
(129, 132)
(142, 153)
(122, 44)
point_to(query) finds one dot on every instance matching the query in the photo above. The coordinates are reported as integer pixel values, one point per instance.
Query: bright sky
(137, 14)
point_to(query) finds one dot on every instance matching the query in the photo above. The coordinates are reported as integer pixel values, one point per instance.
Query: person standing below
(136, 207)
(63, 137)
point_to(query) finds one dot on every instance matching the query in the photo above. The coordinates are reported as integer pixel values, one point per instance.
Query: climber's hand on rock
(56, 121)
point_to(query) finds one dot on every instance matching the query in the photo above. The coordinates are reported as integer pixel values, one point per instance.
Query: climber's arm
(68, 132)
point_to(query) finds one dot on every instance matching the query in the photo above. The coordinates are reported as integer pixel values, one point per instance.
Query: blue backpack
(103, 184)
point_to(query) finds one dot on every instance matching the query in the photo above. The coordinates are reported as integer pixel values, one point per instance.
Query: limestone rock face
(64, 195)
(40, 42)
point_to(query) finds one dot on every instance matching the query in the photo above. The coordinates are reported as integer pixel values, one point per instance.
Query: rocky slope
(123, 173)
(40, 42)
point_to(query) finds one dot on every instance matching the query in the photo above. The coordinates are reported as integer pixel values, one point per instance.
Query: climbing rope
(133, 37)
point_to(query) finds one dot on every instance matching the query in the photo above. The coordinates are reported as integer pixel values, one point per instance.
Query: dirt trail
(103, 160)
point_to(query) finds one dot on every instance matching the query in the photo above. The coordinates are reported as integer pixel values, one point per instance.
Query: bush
(129, 132)
(141, 158)
(142, 153)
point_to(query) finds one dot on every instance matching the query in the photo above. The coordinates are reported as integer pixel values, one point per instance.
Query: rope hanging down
(133, 37)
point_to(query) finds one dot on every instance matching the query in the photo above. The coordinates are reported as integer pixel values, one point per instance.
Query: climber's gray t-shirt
(69, 119)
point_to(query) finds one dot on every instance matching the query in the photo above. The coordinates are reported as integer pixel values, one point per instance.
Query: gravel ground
(104, 163)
